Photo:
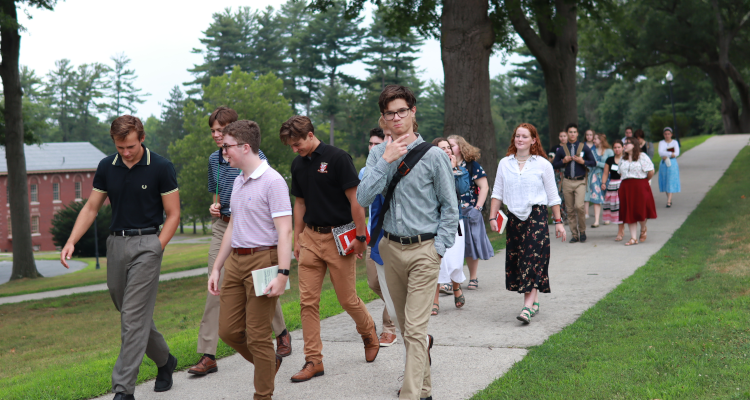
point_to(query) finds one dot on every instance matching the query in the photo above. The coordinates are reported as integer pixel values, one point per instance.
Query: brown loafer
(284, 345)
(309, 370)
(372, 345)
(204, 367)
(387, 339)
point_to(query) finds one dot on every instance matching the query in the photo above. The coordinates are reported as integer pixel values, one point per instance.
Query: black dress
(527, 252)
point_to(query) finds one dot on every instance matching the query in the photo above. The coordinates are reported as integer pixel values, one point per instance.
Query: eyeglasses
(402, 113)
(227, 146)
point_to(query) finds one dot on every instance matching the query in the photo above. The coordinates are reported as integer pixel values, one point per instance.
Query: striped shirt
(226, 176)
(255, 203)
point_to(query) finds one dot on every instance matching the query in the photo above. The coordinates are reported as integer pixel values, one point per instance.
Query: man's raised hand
(394, 149)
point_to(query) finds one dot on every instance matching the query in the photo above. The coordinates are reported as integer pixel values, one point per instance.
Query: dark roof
(68, 156)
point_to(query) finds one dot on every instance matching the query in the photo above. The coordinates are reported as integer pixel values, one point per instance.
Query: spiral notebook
(345, 234)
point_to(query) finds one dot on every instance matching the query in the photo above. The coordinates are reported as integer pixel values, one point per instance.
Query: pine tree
(60, 91)
(389, 55)
(123, 94)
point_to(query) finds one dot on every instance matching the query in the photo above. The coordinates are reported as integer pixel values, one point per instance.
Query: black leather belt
(135, 232)
(224, 218)
(320, 229)
(409, 239)
(578, 178)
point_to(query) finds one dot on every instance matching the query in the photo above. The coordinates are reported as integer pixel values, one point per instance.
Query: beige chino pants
(575, 193)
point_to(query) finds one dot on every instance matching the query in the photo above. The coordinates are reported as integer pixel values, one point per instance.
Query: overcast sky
(157, 36)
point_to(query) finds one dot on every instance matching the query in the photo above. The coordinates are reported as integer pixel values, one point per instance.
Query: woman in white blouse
(525, 182)
(669, 171)
(636, 200)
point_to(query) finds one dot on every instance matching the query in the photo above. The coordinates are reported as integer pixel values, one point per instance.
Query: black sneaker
(164, 375)
(123, 396)
(574, 240)
(583, 238)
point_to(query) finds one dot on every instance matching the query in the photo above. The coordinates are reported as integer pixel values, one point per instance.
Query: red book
(345, 235)
(502, 220)
(671, 149)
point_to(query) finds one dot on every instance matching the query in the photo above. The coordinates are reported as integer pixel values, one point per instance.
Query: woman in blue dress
(669, 171)
(601, 153)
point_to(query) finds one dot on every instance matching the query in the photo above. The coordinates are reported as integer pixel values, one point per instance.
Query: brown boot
(284, 344)
(204, 367)
(372, 344)
(309, 370)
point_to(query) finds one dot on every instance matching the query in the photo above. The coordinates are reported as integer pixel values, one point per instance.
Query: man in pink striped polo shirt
(259, 235)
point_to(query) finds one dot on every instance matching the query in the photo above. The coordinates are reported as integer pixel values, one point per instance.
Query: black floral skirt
(527, 252)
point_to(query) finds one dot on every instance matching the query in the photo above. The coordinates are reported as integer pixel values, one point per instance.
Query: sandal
(446, 288)
(435, 309)
(618, 238)
(643, 234)
(533, 311)
(525, 316)
(473, 284)
(631, 242)
(459, 299)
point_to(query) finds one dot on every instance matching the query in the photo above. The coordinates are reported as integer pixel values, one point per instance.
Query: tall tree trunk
(556, 49)
(10, 46)
(466, 43)
(730, 115)
(725, 40)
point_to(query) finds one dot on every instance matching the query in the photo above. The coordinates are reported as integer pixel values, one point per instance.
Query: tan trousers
(208, 333)
(574, 193)
(317, 254)
(245, 319)
(374, 283)
(411, 272)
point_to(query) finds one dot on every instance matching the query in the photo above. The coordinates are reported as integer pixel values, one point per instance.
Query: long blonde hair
(468, 152)
(603, 140)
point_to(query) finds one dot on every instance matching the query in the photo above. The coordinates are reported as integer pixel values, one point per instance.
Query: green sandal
(473, 284)
(435, 309)
(525, 316)
(533, 311)
(460, 299)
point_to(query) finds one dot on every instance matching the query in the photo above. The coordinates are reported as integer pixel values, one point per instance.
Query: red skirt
(636, 201)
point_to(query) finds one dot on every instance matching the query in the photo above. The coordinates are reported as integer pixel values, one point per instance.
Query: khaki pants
(245, 319)
(208, 333)
(411, 272)
(133, 266)
(374, 283)
(574, 193)
(318, 253)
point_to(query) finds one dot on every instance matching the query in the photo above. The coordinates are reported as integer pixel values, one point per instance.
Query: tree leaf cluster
(62, 225)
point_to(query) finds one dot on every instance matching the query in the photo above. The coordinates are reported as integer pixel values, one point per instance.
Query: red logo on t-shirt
(323, 168)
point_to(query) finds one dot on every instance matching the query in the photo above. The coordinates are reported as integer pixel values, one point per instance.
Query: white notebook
(262, 277)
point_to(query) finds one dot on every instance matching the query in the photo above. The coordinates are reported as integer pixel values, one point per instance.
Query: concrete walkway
(47, 268)
(480, 342)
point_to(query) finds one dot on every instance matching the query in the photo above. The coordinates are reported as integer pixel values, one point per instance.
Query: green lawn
(678, 328)
(64, 348)
(177, 257)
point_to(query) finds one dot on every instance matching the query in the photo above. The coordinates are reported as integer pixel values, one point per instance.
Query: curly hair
(536, 148)
(468, 152)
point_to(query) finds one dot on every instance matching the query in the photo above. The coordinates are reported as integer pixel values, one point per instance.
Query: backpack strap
(580, 148)
(565, 149)
(406, 165)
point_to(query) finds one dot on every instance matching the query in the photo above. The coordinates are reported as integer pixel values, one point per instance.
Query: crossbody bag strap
(406, 165)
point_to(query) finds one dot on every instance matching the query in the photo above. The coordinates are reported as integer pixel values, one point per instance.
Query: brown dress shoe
(309, 370)
(204, 367)
(284, 345)
(387, 339)
(372, 345)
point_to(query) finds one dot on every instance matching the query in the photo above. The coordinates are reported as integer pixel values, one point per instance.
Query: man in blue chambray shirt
(418, 228)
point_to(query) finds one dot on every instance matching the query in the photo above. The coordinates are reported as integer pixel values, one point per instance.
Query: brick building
(58, 173)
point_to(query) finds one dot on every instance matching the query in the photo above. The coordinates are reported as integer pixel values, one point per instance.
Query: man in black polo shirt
(324, 183)
(141, 186)
(575, 156)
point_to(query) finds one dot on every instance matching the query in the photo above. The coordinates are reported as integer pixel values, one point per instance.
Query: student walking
(142, 187)
(574, 158)
(589, 142)
(525, 183)
(221, 177)
(601, 152)
(258, 236)
(611, 185)
(478, 246)
(324, 184)
(452, 265)
(419, 220)
(669, 169)
(636, 199)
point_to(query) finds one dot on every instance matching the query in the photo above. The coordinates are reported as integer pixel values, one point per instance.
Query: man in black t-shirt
(324, 184)
(141, 186)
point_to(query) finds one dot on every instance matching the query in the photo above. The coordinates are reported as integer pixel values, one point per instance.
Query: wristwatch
(361, 238)
(284, 272)
(479, 208)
